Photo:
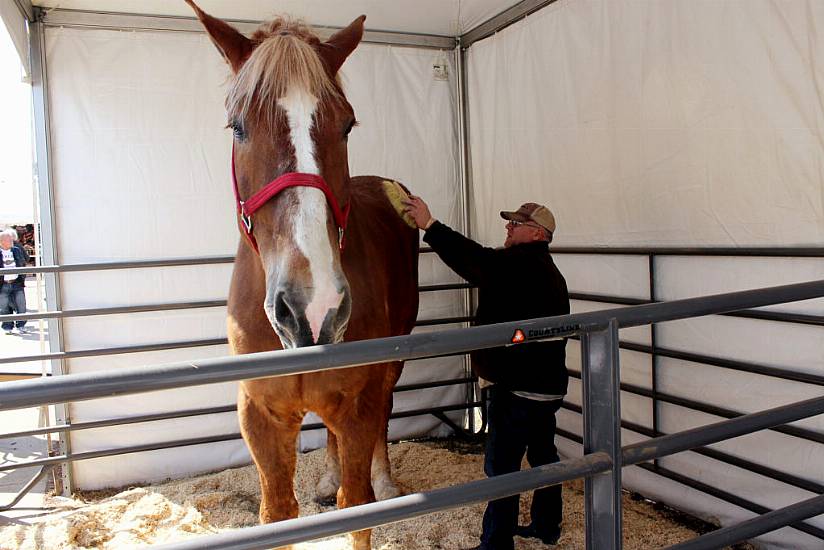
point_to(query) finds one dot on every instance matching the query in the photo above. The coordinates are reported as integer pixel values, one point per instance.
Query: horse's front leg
(327, 488)
(381, 473)
(357, 432)
(271, 439)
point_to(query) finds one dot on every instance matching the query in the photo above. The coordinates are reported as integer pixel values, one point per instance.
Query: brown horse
(327, 259)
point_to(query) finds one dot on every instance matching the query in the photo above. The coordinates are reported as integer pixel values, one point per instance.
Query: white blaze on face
(310, 231)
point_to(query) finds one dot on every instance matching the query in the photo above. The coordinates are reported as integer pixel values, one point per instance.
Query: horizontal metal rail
(744, 252)
(732, 460)
(125, 264)
(101, 453)
(776, 252)
(135, 264)
(72, 387)
(445, 286)
(397, 509)
(97, 352)
(416, 412)
(697, 485)
(795, 431)
(88, 455)
(172, 345)
(726, 496)
(751, 528)
(168, 306)
(444, 321)
(719, 431)
(115, 310)
(752, 368)
(608, 299)
(779, 316)
(122, 421)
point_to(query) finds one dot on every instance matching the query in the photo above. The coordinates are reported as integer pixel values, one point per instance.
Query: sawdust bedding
(207, 504)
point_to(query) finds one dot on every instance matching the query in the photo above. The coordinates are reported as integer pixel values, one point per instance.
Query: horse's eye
(238, 130)
(352, 124)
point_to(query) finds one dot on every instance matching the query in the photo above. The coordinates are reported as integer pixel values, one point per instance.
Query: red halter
(290, 179)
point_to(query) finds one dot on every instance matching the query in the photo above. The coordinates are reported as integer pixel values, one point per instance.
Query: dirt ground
(212, 503)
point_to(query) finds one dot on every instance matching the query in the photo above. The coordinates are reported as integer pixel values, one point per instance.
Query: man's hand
(419, 211)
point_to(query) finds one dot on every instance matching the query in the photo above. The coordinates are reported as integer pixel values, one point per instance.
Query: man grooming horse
(529, 381)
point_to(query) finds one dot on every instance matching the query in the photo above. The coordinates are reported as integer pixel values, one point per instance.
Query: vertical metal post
(45, 190)
(602, 432)
(653, 350)
(464, 181)
(464, 167)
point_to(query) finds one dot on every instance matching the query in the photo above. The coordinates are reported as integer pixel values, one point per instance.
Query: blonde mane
(284, 58)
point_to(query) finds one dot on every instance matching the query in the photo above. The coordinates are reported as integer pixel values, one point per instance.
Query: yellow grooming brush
(396, 195)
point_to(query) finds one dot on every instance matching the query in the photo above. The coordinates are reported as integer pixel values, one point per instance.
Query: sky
(16, 187)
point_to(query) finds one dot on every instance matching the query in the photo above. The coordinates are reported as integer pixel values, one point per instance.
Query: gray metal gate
(604, 455)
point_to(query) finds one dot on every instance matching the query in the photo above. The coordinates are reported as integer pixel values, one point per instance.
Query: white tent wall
(141, 171)
(13, 17)
(658, 123)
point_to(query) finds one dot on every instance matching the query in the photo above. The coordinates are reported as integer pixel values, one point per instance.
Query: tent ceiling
(440, 17)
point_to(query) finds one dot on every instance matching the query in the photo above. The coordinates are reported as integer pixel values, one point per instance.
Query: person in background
(12, 287)
(529, 380)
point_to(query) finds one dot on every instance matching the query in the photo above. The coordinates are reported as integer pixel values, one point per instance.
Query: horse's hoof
(385, 490)
(327, 487)
(326, 501)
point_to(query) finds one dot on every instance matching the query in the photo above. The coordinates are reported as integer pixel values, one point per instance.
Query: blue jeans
(12, 300)
(517, 426)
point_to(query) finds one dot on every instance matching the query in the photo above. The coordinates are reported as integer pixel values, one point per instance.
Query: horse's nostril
(287, 313)
(282, 309)
(286, 316)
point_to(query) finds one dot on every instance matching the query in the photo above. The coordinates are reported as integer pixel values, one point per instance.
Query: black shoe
(528, 531)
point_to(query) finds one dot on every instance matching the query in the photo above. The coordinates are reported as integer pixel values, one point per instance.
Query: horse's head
(289, 115)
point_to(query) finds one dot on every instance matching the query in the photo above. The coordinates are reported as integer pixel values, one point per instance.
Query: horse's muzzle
(300, 318)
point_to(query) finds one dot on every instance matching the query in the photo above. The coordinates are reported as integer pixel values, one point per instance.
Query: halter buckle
(340, 238)
(245, 219)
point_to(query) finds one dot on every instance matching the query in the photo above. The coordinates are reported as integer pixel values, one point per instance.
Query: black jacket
(519, 282)
(20, 260)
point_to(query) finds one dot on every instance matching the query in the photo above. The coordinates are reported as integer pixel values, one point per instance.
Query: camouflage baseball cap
(533, 212)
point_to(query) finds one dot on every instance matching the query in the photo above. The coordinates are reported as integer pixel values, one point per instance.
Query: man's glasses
(515, 223)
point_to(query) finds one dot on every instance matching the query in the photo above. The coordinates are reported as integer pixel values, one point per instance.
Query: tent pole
(464, 176)
(48, 255)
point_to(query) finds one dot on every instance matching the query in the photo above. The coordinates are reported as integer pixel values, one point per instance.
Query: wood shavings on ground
(227, 500)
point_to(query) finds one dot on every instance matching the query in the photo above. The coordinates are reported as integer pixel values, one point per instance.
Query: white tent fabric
(141, 170)
(16, 187)
(659, 123)
(17, 27)
(438, 17)
(672, 123)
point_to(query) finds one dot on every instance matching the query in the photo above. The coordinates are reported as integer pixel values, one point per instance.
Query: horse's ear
(234, 47)
(335, 50)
